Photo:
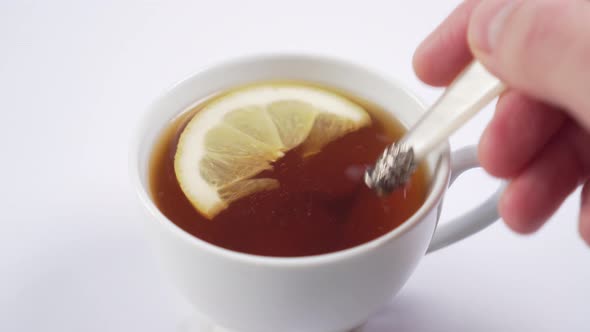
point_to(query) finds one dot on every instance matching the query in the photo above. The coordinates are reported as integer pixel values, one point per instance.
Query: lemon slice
(237, 136)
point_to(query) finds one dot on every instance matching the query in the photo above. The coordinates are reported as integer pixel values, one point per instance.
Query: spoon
(472, 90)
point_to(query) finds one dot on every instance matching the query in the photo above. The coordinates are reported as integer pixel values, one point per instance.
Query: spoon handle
(472, 90)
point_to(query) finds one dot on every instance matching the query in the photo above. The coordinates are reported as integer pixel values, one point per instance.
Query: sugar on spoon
(472, 90)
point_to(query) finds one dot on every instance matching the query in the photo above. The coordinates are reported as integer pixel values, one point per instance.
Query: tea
(322, 204)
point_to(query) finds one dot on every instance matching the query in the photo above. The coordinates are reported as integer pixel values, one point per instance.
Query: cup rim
(439, 180)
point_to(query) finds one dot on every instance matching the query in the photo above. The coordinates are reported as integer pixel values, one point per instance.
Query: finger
(521, 127)
(444, 53)
(540, 47)
(585, 213)
(534, 195)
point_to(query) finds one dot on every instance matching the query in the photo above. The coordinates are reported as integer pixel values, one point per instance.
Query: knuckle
(537, 33)
(545, 23)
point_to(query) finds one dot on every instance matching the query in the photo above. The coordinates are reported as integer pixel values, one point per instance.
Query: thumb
(540, 47)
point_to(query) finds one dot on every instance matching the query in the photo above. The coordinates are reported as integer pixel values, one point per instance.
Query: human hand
(539, 138)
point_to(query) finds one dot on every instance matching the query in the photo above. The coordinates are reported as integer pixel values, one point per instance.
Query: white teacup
(325, 293)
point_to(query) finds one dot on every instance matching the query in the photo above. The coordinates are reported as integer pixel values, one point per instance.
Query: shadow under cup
(324, 293)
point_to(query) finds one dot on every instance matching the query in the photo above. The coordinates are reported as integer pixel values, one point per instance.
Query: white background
(74, 78)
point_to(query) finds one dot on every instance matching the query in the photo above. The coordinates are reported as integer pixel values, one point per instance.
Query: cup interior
(339, 74)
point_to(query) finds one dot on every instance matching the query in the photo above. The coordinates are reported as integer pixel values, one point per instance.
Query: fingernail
(488, 22)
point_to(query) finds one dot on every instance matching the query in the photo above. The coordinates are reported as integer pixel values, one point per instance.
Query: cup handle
(473, 220)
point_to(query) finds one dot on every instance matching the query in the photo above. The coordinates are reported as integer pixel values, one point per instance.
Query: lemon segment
(327, 128)
(293, 119)
(256, 122)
